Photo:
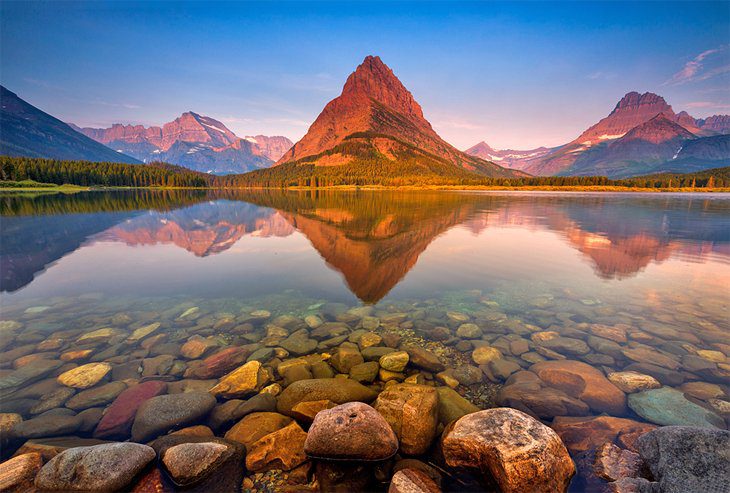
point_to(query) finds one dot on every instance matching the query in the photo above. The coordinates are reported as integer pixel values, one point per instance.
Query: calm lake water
(652, 268)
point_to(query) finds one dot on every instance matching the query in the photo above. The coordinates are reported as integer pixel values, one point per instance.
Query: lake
(559, 290)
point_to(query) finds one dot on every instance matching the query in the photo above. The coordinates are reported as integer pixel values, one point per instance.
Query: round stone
(469, 331)
(352, 431)
(484, 354)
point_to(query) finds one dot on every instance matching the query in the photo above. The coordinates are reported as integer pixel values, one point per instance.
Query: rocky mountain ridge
(195, 141)
(598, 150)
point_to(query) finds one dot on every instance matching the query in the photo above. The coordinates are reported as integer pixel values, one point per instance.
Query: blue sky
(517, 75)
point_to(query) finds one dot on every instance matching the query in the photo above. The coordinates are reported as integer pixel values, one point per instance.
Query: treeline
(710, 178)
(407, 174)
(86, 173)
(92, 202)
(364, 171)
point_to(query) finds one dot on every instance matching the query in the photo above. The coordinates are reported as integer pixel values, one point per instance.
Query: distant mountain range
(376, 124)
(376, 129)
(641, 135)
(27, 131)
(194, 141)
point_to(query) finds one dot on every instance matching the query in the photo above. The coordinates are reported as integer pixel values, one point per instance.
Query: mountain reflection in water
(372, 238)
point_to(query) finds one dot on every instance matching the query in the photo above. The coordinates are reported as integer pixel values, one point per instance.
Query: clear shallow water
(655, 266)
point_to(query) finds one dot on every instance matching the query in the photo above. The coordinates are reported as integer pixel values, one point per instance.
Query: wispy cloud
(128, 106)
(600, 75)
(706, 104)
(702, 67)
(699, 104)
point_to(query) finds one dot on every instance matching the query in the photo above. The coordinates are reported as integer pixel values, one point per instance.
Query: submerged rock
(518, 451)
(667, 406)
(581, 434)
(107, 467)
(245, 380)
(612, 463)
(211, 465)
(255, 426)
(333, 389)
(226, 414)
(631, 381)
(96, 396)
(85, 376)
(584, 382)
(163, 413)
(118, 418)
(452, 406)
(424, 359)
(352, 431)
(282, 449)
(48, 425)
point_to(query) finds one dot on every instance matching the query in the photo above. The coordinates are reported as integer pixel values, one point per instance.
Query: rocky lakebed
(300, 395)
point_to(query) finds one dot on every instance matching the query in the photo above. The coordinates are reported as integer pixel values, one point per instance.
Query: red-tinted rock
(613, 462)
(583, 382)
(581, 434)
(218, 364)
(118, 419)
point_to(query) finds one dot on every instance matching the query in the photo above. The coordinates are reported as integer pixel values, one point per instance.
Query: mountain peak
(633, 101)
(374, 79)
(381, 121)
(661, 128)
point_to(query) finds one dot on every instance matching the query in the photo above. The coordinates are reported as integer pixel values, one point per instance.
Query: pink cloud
(695, 68)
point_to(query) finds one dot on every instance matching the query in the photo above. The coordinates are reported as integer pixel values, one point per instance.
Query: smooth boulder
(667, 406)
(106, 467)
(337, 390)
(583, 382)
(163, 413)
(118, 418)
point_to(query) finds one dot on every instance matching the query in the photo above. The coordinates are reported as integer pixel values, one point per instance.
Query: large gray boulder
(686, 459)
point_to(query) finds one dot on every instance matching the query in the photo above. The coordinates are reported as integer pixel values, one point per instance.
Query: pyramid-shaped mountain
(377, 124)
